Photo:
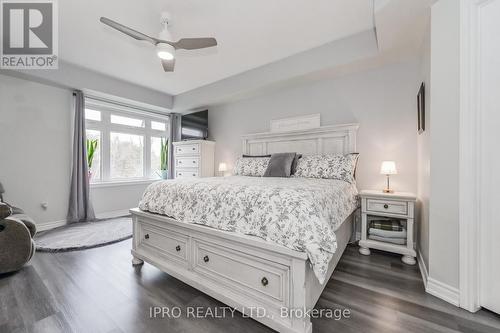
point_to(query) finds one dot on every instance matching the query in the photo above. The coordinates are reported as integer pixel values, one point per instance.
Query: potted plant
(164, 158)
(91, 148)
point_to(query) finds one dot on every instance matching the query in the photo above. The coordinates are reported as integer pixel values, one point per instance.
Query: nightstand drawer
(387, 206)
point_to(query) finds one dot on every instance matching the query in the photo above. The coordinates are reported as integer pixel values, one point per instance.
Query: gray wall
(75, 77)
(444, 142)
(35, 147)
(423, 155)
(382, 101)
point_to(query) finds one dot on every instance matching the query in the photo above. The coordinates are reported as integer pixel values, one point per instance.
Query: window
(126, 121)
(126, 153)
(155, 156)
(129, 143)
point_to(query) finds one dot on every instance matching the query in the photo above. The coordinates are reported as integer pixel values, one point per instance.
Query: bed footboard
(258, 278)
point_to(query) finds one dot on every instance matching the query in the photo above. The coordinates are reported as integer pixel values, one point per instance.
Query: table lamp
(388, 168)
(222, 168)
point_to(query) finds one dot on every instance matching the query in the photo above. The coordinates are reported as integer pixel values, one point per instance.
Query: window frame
(106, 127)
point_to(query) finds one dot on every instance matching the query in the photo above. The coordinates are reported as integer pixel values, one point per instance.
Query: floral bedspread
(299, 213)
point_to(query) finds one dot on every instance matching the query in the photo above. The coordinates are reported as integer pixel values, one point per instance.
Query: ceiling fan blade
(168, 65)
(128, 31)
(194, 43)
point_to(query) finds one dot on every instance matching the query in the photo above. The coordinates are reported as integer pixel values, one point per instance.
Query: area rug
(84, 235)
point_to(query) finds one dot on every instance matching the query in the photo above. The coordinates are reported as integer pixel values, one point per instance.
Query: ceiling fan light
(165, 55)
(165, 51)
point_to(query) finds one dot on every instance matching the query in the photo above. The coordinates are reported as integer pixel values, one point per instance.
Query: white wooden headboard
(337, 139)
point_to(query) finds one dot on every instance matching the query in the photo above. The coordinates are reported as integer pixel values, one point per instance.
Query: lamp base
(386, 190)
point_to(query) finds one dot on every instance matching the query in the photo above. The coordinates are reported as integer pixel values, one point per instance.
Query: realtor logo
(29, 34)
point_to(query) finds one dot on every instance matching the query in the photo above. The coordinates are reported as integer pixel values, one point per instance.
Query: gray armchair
(16, 237)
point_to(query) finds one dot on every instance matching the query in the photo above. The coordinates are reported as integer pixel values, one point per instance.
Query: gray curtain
(175, 135)
(80, 207)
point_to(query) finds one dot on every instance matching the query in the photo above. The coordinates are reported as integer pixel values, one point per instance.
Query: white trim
(113, 214)
(99, 96)
(469, 161)
(44, 226)
(423, 269)
(296, 123)
(122, 183)
(443, 291)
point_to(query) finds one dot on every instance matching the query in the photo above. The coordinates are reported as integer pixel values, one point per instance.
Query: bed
(226, 237)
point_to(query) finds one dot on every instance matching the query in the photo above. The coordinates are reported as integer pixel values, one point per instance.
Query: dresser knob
(194, 174)
(264, 281)
(194, 148)
(146, 236)
(194, 162)
(386, 206)
(178, 248)
(206, 259)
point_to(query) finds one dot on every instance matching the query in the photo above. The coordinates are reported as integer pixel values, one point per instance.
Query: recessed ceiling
(250, 34)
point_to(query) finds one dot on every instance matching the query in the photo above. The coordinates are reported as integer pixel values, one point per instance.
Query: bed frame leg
(137, 261)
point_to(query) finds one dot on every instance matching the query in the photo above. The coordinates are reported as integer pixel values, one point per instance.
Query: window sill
(122, 183)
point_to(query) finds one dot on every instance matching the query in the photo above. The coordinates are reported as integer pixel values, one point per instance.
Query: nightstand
(379, 205)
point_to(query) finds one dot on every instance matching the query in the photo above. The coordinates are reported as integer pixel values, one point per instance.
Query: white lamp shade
(388, 168)
(222, 167)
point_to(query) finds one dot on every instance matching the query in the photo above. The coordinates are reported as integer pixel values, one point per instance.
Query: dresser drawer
(258, 277)
(186, 173)
(188, 149)
(387, 206)
(165, 242)
(187, 162)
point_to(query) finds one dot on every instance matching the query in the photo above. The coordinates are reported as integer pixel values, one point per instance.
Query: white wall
(382, 101)
(35, 145)
(444, 142)
(423, 155)
(35, 152)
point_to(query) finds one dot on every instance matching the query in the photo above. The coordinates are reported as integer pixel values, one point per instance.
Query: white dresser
(194, 158)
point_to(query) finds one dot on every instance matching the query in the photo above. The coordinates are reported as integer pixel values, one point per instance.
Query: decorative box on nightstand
(397, 206)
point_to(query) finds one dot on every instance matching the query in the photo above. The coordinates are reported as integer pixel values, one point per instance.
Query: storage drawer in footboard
(164, 242)
(259, 278)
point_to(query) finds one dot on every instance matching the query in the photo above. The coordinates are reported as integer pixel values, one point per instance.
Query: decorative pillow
(280, 165)
(333, 166)
(251, 166)
(294, 163)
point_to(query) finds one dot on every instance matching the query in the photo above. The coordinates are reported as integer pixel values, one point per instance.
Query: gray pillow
(280, 165)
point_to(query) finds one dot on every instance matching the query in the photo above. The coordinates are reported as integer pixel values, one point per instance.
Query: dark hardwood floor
(98, 290)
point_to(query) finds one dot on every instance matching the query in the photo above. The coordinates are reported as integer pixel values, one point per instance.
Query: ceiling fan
(165, 48)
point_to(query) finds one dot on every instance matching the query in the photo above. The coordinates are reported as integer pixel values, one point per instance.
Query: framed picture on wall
(421, 109)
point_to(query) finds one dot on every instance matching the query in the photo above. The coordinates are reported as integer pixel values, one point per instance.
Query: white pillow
(251, 166)
(331, 166)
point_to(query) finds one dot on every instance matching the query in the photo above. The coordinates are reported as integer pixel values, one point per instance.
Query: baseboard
(443, 291)
(423, 269)
(44, 226)
(113, 214)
